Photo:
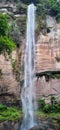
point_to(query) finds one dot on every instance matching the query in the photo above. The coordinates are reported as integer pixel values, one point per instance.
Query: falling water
(28, 93)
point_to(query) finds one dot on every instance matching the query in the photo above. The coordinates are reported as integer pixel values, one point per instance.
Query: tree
(4, 27)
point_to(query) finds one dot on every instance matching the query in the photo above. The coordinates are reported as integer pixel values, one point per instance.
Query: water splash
(28, 93)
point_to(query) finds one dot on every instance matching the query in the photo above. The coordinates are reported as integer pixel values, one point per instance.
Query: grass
(43, 115)
(14, 113)
(10, 113)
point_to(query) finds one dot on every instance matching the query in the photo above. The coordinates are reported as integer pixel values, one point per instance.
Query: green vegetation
(53, 107)
(51, 7)
(50, 75)
(41, 103)
(14, 113)
(22, 8)
(57, 76)
(9, 113)
(6, 44)
(43, 115)
(15, 69)
(1, 74)
(22, 24)
(58, 18)
(14, 33)
(4, 27)
(30, 1)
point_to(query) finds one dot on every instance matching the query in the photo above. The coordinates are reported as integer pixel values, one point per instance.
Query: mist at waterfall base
(28, 91)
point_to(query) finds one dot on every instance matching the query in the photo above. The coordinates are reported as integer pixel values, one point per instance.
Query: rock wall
(9, 87)
(48, 47)
(47, 89)
(47, 58)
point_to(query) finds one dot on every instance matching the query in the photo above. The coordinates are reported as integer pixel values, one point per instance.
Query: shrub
(4, 27)
(41, 103)
(57, 107)
(22, 24)
(22, 8)
(53, 99)
(6, 44)
(30, 1)
(1, 73)
(58, 17)
(14, 34)
(2, 107)
(47, 108)
(55, 9)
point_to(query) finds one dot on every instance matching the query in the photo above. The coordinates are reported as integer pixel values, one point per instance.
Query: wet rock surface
(39, 128)
(45, 124)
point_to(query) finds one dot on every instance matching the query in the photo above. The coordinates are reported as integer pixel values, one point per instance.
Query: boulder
(39, 128)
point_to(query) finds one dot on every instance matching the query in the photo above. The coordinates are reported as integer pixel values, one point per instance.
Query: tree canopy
(30, 1)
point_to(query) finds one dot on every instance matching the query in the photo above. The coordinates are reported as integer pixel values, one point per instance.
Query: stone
(8, 125)
(39, 127)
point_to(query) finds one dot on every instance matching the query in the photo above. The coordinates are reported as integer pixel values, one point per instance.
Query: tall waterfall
(28, 91)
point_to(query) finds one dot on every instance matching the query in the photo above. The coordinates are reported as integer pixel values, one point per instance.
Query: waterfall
(28, 91)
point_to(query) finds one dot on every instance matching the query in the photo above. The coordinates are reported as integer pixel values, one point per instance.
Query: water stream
(28, 91)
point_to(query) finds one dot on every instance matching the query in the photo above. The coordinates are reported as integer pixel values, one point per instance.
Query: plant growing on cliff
(6, 44)
(21, 22)
(41, 103)
(21, 8)
(1, 73)
(53, 99)
(30, 1)
(9, 113)
(15, 33)
(4, 27)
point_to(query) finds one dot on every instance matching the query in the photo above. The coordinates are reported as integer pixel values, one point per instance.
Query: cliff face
(9, 87)
(47, 58)
(48, 48)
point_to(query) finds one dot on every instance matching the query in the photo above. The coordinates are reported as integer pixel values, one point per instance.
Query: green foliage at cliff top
(50, 7)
